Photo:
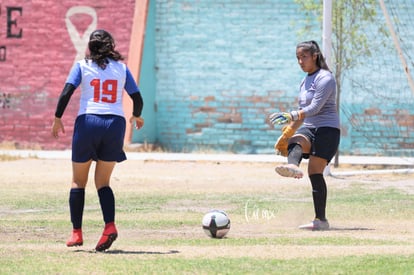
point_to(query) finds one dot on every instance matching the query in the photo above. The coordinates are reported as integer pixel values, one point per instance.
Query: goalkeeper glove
(281, 145)
(283, 118)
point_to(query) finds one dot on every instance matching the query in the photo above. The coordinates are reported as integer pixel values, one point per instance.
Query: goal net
(377, 103)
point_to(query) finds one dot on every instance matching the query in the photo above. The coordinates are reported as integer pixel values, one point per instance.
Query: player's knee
(76, 183)
(316, 165)
(302, 141)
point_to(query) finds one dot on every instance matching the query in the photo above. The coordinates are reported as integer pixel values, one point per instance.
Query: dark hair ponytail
(313, 48)
(101, 47)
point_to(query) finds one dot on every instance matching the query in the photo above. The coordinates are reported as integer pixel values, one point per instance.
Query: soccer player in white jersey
(99, 129)
(313, 129)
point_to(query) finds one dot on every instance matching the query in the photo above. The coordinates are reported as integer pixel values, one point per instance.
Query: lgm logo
(253, 212)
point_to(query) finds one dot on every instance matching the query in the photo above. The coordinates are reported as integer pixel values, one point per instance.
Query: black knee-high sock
(107, 201)
(295, 153)
(76, 205)
(319, 194)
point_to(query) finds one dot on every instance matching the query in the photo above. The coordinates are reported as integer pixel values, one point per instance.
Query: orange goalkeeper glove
(281, 145)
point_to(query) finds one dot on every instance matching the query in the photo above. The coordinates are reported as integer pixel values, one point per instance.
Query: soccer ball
(216, 224)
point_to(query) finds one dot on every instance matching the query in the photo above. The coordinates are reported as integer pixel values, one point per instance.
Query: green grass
(34, 224)
(112, 263)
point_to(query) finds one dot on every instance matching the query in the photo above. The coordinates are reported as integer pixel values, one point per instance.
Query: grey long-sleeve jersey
(317, 98)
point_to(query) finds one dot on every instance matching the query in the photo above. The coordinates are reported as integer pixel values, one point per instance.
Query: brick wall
(220, 68)
(223, 66)
(36, 55)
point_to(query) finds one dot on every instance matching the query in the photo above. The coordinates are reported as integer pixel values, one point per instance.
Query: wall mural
(80, 41)
(39, 43)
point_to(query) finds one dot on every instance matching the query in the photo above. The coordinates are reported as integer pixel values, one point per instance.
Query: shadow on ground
(118, 251)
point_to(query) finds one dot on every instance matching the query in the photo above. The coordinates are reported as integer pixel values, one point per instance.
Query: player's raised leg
(298, 145)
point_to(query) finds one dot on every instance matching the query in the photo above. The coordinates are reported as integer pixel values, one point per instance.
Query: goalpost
(327, 31)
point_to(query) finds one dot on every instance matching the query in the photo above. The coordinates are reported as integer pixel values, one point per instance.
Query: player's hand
(280, 118)
(137, 121)
(57, 127)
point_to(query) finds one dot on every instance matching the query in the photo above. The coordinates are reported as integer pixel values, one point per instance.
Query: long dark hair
(313, 48)
(101, 47)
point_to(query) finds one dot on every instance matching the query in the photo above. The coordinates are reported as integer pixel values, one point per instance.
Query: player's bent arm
(64, 98)
(138, 104)
(289, 130)
(296, 124)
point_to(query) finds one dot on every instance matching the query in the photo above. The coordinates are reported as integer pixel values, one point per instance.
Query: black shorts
(324, 141)
(98, 137)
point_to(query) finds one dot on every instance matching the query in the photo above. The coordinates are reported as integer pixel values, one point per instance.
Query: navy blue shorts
(98, 137)
(324, 141)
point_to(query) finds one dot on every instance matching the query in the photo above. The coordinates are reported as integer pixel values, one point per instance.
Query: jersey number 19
(107, 93)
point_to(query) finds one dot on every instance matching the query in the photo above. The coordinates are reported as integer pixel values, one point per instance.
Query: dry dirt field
(206, 177)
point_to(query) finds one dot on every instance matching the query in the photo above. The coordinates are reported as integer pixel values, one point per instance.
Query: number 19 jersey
(101, 89)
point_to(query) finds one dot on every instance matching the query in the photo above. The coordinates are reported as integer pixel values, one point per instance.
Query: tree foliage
(350, 37)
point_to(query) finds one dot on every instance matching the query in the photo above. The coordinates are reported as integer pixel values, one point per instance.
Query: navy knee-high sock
(76, 205)
(107, 201)
(319, 194)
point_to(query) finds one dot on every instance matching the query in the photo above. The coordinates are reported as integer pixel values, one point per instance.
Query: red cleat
(108, 237)
(76, 238)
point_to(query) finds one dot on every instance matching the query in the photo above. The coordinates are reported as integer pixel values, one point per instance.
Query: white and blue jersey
(102, 89)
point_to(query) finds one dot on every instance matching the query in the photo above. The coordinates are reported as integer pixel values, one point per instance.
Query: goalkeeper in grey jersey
(312, 131)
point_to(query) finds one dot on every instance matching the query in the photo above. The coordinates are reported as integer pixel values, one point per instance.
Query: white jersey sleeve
(102, 89)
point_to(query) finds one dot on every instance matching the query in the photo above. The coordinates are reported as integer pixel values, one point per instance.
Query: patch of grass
(32, 201)
(278, 241)
(110, 263)
(362, 201)
(160, 233)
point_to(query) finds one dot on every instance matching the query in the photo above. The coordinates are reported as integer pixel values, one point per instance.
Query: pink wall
(39, 42)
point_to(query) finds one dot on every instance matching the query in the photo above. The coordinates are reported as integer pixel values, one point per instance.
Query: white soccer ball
(216, 224)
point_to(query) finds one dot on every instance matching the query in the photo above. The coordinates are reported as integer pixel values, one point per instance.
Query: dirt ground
(169, 177)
